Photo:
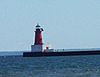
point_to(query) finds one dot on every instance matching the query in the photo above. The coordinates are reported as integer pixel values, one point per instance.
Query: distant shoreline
(12, 53)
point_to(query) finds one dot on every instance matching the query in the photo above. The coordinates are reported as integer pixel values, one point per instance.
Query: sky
(67, 24)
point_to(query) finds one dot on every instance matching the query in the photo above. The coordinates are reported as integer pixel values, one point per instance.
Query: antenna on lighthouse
(38, 43)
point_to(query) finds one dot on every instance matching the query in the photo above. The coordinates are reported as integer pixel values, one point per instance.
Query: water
(65, 66)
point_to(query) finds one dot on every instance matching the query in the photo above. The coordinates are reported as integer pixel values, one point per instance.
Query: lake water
(64, 66)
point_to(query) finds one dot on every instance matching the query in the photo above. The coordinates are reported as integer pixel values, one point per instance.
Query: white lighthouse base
(36, 48)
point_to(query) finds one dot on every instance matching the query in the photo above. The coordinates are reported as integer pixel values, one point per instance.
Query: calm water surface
(65, 66)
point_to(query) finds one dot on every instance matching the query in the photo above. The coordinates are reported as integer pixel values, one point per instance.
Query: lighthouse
(38, 42)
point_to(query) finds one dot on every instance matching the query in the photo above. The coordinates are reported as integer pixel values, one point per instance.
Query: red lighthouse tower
(38, 44)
